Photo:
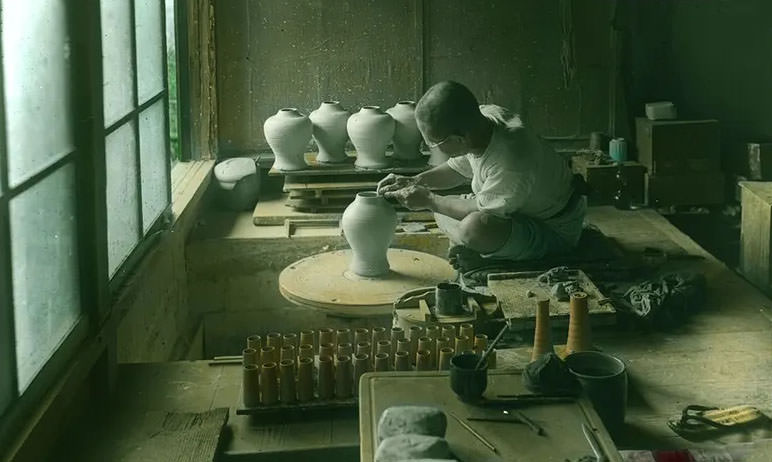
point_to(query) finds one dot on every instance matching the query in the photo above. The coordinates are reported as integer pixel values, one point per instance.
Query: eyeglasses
(434, 145)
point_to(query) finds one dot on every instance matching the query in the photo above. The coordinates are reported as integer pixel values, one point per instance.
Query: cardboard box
(688, 189)
(603, 180)
(672, 147)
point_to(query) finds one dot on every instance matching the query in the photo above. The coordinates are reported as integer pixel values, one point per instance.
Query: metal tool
(471, 430)
(590, 436)
(531, 424)
(493, 344)
(512, 417)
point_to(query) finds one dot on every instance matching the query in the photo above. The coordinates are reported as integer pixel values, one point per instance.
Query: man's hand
(394, 182)
(413, 197)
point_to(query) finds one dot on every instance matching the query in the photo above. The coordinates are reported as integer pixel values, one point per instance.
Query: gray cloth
(667, 300)
(403, 447)
(418, 420)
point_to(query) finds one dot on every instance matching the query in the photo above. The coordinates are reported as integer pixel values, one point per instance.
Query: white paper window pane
(117, 67)
(153, 163)
(44, 256)
(122, 195)
(150, 69)
(36, 66)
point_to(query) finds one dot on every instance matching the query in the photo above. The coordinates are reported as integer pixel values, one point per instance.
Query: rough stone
(418, 420)
(407, 447)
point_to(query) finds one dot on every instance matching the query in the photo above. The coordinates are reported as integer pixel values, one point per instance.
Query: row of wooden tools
(290, 368)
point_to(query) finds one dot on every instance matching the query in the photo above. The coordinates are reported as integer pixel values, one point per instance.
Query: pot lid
(232, 170)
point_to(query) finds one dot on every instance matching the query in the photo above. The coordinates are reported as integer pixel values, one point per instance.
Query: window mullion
(165, 67)
(137, 144)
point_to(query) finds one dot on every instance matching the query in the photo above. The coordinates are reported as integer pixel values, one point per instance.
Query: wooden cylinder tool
(423, 360)
(480, 343)
(433, 331)
(343, 376)
(343, 336)
(269, 386)
(466, 330)
(307, 337)
(290, 339)
(287, 393)
(327, 350)
(379, 333)
(396, 334)
(414, 333)
(306, 351)
(402, 361)
(345, 349)
(381, 362)
(287, 352)
(578, 324)
(444, 361)
(427, 344)
(268, 354)
(449, 331)
(249, 356)
(542, 334)
(251, 386)
(326, 335)
(361, 365)
(326, 378)
(463, 344)
(274, 339)
(403, 344)
(255, 342)
(363, 348)
(361, 334)
(384, 346)
(305, 387)
(443, 342)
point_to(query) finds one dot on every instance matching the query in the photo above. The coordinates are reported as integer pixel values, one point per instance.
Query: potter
(525, 202)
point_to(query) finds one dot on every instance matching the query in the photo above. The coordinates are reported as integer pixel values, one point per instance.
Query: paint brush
(492, 346)
(474, 433)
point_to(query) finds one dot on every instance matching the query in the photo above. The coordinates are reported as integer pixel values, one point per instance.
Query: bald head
(448, 108)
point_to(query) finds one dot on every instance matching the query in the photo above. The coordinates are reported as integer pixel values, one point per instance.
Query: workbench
(722, 356)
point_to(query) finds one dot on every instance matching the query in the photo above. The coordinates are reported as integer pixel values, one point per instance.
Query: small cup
(604, 380)
(466, 381)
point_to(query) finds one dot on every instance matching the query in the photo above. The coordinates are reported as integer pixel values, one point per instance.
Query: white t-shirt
(518, 172)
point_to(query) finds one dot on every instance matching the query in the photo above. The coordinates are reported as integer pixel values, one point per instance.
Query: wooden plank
(348, 168)
(290, 185)
(274, 211)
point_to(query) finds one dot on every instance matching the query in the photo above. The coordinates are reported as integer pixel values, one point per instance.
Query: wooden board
(511, 289)
(322, 281)
(273, 211)
(563, 438)
(348, 168)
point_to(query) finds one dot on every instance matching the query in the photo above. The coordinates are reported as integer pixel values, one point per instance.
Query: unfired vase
(368, 224)
(288, 133)
(329, 131)
(269, 386)
(251, 385)
(578, 324)
(287, 392)
(542, 333)
(326, 378)
(407, 138)
(305, 386)
(343, 376)
(402, 361)
(370, 131)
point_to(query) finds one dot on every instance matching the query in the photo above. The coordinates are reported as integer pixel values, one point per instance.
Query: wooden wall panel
(275, 54)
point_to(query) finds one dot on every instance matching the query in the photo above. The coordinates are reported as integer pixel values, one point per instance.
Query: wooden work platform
(722, 356)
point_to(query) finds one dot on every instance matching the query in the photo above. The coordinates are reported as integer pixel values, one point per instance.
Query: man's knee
(483, 232)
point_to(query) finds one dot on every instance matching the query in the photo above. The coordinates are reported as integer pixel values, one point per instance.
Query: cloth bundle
(667, 300)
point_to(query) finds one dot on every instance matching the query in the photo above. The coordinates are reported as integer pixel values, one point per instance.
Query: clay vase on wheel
(329, 128)
(288, 133)
(407, 138)
(368, 225)
(370, 131)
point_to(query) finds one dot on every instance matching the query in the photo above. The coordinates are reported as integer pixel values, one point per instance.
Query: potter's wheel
(322, 281)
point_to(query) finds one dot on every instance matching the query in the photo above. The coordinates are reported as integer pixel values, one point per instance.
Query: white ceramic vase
(288, 133)
(368, 224)
(370, 131)
(329, 122)
(407, 138)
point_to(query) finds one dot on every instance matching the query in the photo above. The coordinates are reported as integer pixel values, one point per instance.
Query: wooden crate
(668, 147)
(603, 180)
(756, 232)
